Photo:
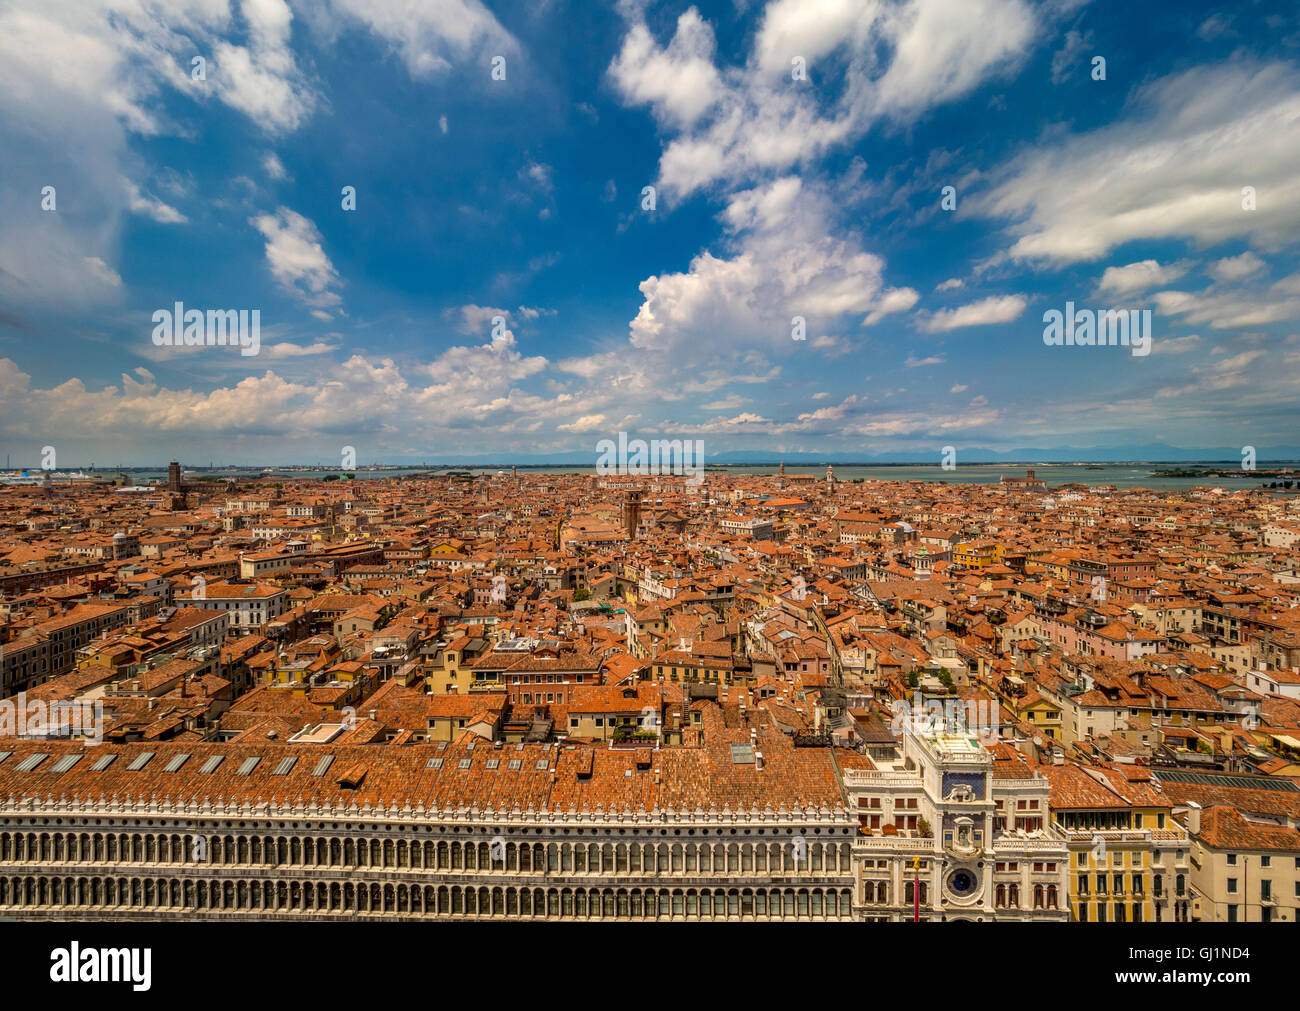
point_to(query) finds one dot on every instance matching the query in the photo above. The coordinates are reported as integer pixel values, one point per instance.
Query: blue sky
(522, 198)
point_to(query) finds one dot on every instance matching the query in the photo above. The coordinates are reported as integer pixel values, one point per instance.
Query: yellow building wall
(1121, 858)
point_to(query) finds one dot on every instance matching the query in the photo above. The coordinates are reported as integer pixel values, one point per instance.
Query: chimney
(1193, 818)
(758, 761)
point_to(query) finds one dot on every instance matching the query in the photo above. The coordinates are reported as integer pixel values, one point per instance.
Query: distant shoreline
(1176, 468)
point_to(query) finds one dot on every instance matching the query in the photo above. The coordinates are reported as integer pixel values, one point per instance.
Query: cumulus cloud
(782, 263)
(1138, 277)
(679, 81)
(995, 309)
(469, 394)
(586, 423)
(894, 300)
(1236, 268)
(894, 60)
(477, 318)
(260, 79)
(296, 258)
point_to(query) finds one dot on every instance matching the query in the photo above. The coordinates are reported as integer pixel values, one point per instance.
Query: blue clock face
(962, 882)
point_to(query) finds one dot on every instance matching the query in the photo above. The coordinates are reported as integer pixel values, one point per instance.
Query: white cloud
(539, 174)
(1138, 277)
(467, 397)
(1236, 268)
(1177, 345)
(944, 49)
(477, 318)
(995, 309)
(485, 366)
(103, 272)
(1236, 307)
(1174, 167)
(898, 60)
(285, 349)
(77, 79)
(297, 260)
(274, 167)
(431, 37)
(1214, 26)
(894, 300)
(830, 347)
(151, 207)
(1231, 373)
(783, 263)
(587, 423)
(261, 79)
(1068, 60)
(679, 82)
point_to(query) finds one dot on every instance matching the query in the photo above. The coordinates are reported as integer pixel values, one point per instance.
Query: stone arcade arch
(422, 870)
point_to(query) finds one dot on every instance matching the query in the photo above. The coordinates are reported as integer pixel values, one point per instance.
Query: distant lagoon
(1120, 475)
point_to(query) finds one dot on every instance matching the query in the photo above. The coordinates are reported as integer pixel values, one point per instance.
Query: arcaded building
(464, 830)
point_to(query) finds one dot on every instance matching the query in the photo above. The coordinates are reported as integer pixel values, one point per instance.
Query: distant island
(1273, 473)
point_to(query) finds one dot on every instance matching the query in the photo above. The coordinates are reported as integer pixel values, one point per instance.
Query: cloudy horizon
(513, 229)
